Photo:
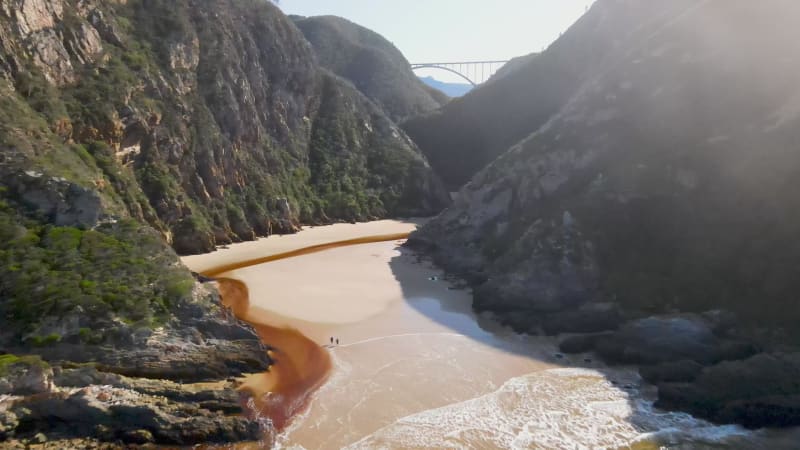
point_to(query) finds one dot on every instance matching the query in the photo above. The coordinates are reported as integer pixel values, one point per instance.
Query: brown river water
(415, 367)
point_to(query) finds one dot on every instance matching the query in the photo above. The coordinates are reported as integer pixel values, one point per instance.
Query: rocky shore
(173, 385)
(712, 365)
(653, 210)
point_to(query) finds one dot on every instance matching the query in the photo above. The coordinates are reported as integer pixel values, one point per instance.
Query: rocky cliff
(373, 64)
(131, 129)
(199, 118)
(661, 182)
(470, 132)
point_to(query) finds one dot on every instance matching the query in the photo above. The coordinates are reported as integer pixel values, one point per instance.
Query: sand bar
(309, 236)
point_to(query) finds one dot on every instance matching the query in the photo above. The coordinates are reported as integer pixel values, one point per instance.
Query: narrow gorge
(601, 240)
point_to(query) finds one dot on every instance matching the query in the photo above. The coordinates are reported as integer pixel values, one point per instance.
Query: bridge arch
(436, 66)
(473, 72)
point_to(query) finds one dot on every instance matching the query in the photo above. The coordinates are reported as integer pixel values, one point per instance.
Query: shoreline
(381, 350)
(300, 365)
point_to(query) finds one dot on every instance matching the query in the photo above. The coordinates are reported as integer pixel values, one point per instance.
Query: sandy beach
(415, 367)
(387, 309)
(309, 236)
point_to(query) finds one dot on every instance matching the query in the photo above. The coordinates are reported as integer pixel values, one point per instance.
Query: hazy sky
(454, 30)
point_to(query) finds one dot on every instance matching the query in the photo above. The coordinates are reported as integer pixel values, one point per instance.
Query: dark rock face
(198, 344)
(673, 371)
(470, 132)
(127, 416)
(372, 63)
(61, 202)
(135, 392)
(591, 318)
(661, 178)
(660, 340)
(130, 126)
(654, 340)
(623, 195)
(756, 392)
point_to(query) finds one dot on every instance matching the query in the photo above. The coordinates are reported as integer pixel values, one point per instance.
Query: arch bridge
(473, 72)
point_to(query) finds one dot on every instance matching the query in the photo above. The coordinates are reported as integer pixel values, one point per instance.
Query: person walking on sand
(337, 341)
(331, 340)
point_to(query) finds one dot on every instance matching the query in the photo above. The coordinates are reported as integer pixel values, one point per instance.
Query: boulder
(589, 318)
(661, 339)
(581, 343)
(192, 241)
(763, 390)
(64, 203)
(8, 423)
(24, 375)
(673, 371)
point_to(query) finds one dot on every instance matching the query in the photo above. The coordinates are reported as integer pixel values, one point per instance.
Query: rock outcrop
(137, 385)
(761, 391)
(661, 179)
(109, 408)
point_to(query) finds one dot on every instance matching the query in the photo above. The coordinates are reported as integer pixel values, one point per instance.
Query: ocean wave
(571, 408)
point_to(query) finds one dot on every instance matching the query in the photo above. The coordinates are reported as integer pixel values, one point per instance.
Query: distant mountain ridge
(373, 64)
(450, 89)
(469, 132)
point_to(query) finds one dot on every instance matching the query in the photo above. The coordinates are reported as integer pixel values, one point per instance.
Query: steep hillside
(373, 64)
(471, 131)
(667, 182)
(512, 66)
(127, 126)
(200, 118)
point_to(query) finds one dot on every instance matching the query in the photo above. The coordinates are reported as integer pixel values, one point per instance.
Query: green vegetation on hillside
(372, 63)
(117, 271)
(185, 121)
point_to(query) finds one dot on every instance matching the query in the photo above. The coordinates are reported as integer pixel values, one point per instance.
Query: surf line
(299, 365)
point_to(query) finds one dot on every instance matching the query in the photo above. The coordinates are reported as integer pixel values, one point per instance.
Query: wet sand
(300, 364)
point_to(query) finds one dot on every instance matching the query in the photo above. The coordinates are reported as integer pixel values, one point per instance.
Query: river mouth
(300, 365)
(416, 368)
